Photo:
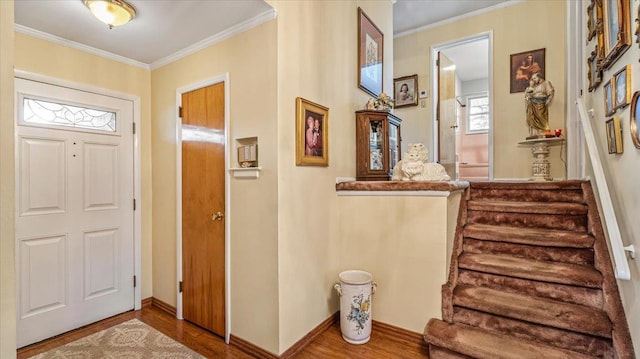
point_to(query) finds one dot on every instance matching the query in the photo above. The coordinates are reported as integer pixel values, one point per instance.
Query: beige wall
(621, 172)
(512, 33)
(7, 189)
(46, 58)
(317, 60)
(250, 61)
(405, 243)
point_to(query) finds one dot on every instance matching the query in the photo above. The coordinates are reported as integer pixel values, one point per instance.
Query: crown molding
(458, 18)
(221, 36)
(78, 46)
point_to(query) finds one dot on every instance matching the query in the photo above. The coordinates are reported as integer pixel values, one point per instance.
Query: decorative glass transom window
(478, 113)
(55, 114)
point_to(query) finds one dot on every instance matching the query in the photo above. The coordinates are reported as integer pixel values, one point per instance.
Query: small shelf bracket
(631, 249)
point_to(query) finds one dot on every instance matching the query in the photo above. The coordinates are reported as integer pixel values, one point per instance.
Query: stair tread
(528, 185)
(482, 344)
(563, 208)
(533, 236)
(554, 272)
(544, 311)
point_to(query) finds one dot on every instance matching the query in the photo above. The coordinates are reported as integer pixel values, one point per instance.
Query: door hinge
(134, 128)
(135, 283)
(180, 111)
(438, 62)
(180, 287)
(134, 204)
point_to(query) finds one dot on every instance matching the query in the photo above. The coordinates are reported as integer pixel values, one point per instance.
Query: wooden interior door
(447, 115)
(203, 208)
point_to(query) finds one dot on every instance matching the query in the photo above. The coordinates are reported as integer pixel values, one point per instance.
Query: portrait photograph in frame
(622, 80)
(616, 29)
(595, 73)
(523, 65)
(312, 133)
(608, 94)
(614, 136)
(370, 55)
(405, 90)
(634, 124)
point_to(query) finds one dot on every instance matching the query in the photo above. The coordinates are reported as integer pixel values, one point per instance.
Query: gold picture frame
(405, 91)
(622, 81)
(614, 136)
(617, 30)
(595, 73)
(312, 133)
(370, 55)
(607, 93)
(634, 125)
(592, 19)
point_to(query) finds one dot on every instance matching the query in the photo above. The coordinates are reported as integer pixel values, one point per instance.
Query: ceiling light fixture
(111, 12)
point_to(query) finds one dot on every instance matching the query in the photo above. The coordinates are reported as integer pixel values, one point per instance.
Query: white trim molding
(212, 40)
(78, 46)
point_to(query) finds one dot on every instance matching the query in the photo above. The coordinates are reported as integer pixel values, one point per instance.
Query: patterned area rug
(129, 340)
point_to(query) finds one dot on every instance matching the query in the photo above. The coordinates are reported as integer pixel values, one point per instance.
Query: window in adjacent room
(478, 113)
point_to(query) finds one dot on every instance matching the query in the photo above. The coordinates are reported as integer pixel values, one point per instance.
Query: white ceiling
(413, 14)
(471, 59)
(166, 30)
(160, 28)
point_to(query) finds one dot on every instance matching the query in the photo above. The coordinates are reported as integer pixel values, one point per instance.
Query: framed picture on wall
(634, 125)
(614, 135)
(616, 30)
(405, 91)
(370, 55)
(623, 87)
(523, 65)
(312, 133)
(591, 20)
(595, 73)
(609, 108)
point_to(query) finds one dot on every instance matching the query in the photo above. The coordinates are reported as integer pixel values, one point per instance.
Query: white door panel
(74, 216)
(42, 167)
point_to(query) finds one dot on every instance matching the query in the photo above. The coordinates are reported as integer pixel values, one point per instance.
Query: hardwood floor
(329, 344)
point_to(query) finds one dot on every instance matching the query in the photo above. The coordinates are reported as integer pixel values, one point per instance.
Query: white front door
(74, 209)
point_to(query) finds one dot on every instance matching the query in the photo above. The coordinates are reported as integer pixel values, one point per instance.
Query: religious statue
(537, 98)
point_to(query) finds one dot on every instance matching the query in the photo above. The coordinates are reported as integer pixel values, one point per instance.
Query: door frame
(224, 78)
(137, 192)
(434, 90)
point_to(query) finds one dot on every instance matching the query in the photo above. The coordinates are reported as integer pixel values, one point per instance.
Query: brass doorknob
(218, 216)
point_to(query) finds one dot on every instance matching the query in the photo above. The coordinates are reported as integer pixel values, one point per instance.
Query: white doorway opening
(472, 57)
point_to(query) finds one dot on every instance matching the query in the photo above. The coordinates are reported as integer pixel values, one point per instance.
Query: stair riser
(566, 293)
(567, 222)
(581, 343)
(570, 195)
(537, 311)
(566, 255)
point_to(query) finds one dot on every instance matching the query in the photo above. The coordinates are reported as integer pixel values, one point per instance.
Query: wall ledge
(400, 188)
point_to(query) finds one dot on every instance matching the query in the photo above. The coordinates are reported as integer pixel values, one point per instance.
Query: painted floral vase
(355, 289)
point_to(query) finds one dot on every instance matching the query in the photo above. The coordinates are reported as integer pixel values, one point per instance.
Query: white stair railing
(611, 223)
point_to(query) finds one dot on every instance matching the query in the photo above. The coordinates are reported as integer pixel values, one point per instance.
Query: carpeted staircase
(530, 277)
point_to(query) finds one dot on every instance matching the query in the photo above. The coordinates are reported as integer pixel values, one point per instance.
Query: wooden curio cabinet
(377, 145)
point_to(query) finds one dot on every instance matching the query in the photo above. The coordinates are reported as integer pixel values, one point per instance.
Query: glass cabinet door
(376, 146)
(394, 150)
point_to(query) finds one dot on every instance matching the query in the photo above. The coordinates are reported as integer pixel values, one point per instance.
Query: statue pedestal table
(541, 168)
